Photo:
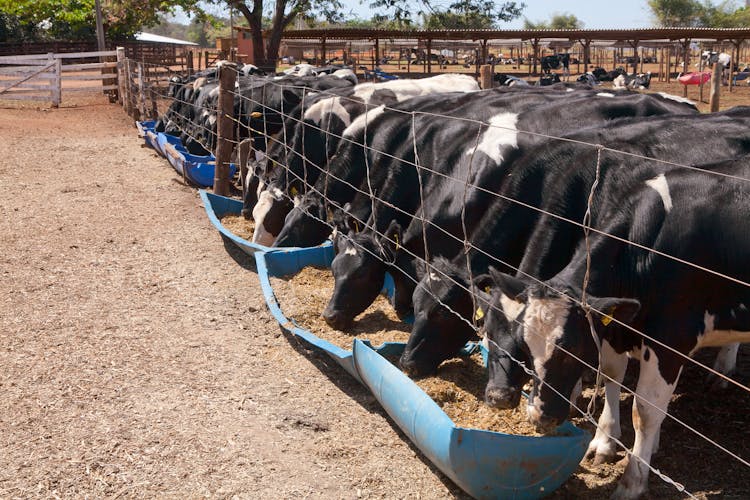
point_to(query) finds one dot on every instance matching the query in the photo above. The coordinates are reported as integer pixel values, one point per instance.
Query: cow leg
(647, 419)
(603, 447)
(725, 363)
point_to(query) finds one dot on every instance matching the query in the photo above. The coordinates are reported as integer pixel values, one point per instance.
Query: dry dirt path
(137, 357)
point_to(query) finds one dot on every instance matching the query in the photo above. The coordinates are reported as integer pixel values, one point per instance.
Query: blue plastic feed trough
(218, 206)
(485, 464)
(198, 170)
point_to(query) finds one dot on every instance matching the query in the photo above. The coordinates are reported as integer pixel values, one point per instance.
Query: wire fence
(196, 118)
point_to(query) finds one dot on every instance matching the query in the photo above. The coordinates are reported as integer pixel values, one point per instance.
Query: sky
(593, 13)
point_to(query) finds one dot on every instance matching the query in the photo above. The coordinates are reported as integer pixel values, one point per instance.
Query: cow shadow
(245, 261)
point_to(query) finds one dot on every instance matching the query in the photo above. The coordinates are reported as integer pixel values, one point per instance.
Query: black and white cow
(556, 61)
(317, 137)
(638, 81)
(342, 182)
(503, 80)
(647, 304)
(505, 225)
(363, 258)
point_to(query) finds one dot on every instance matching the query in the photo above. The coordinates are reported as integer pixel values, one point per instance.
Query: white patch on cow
(259, 155)
(406, 89)
(261, 236)
(261, 186)
(204, 114)
(433, 276)
(570, 90)
(214, 93)
(350, 251)
(649, 410)
(604, 94)
(359, 123)
(501, 132)
(676, 98)
(511, 308)
(331, 105)
(660, 185)
(198, 83)
(297, 201)
(608, 427)
(726, 360)
(211, 120)
(249, 178)
(620, 82)
(346, 74)
(277, 193)
(544, 324)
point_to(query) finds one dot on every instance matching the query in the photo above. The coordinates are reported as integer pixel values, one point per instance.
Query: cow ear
(484, 282)
(350, 222)
(511, 286)
(291, 99)
(623, 310)
(392, 238)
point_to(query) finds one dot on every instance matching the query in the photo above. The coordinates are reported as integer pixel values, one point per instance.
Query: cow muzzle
(543, 423)
(503, 398)
(338, 320)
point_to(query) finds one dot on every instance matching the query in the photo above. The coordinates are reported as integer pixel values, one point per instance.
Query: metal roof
(706, 34)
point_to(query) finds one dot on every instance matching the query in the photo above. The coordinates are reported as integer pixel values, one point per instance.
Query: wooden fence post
(127, 83)
(57, 84)
(141, 92)
(485, 77)
(189, 60)
(120, 72)
(715, 87)
(224, 126)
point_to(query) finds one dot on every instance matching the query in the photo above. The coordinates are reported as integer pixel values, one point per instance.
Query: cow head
(358, 271)
(558, 336)
(439, 332)
(505, 350)
(306, 225)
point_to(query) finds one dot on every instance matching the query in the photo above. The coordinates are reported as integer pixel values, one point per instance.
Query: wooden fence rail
(23, 77)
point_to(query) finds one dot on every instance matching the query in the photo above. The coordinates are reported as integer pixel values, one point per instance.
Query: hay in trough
(458, 387)
(239, 226)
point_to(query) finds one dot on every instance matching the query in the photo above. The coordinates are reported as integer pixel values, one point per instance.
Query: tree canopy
(693, 13)
(556, 22)
(75, 19)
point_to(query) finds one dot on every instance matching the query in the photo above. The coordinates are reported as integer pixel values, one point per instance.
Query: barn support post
(189, 61)
(586, 44)
(685, 61)
(485, 77)
(120, 71)
(224, 127)
(429, 56)
(700, 85)
(713, 103)
(377, 53)
(323, 51)
(535, 49)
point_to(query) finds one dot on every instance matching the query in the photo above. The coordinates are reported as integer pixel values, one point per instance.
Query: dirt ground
(137, 358)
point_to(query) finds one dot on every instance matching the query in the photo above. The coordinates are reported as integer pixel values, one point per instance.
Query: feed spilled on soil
(458, 387)
(239, 226)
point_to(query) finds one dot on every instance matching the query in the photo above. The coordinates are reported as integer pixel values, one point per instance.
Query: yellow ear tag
(479, 314)
(256, 114)
(356, 226)
(606, 320)
(329, 215)
(487, 289)
(293, 191)
(395, 237)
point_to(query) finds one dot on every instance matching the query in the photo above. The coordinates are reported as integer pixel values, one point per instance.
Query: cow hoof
(601, 453)
(627, 491)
